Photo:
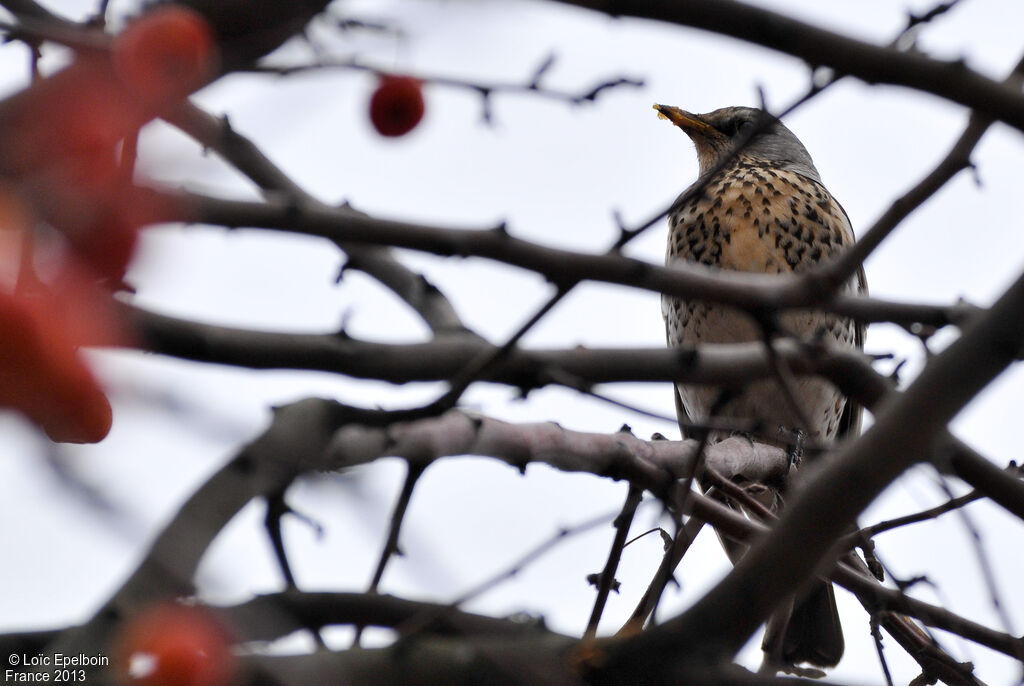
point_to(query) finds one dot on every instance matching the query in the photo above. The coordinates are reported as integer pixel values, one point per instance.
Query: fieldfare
(761, 207)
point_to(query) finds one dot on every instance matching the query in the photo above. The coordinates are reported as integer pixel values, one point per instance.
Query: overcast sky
(555, 172)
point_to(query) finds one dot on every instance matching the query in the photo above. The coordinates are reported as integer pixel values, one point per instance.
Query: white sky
(555, 172)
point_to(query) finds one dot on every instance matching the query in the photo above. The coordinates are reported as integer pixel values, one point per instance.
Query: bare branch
(272, 616)
(486, 90)
(744, 290)
(923, 516)
(905, 432)
(397, 517)
(524, 368)
(816, 46)
(959, 158)
(606, 579)
(377, 261)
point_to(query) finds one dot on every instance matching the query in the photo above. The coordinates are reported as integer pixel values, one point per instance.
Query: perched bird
(761, 207)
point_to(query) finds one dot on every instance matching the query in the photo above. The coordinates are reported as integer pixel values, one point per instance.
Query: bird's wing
(849, 423)
(681, 414)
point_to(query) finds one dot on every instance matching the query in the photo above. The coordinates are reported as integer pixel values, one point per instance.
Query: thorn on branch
(895, 374)
(595, 581)
(502, 229)
(276, 509)
(626, 234)
(975, 174)
(428, 285)
(591, 95)
(487, 111)
(915, 20)
(548, 62)
(762, 99)
(342, 331)
(905, 584)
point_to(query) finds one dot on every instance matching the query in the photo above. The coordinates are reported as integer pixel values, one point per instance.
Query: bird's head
(716, 134)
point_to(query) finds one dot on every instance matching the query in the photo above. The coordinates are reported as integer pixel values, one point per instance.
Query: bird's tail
(811, 633)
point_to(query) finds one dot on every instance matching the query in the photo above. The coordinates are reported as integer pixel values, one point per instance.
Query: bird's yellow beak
(687, 121)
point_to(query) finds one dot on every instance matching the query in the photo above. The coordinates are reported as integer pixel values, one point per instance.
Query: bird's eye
(735, 127)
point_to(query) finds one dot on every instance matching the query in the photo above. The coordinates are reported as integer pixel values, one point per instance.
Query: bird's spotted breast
(759, 219)
(756, 217)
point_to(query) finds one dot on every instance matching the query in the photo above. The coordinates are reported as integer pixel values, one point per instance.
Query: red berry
(175, 645)
(42, 375)
(165, 53)
(397, 105)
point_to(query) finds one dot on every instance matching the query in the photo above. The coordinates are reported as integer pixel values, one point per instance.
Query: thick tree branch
(317, 435)
(906, 429)
(443, 358)
(744, 290)
(273, 616)
(538, 660)
(819, 47)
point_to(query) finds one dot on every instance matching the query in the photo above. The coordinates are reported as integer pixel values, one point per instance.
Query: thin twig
(607, 577)
(923, 516)
(984, 562)
(876, 636)
(484, 90)
(415, 471)
(412, 475)
(648, 603)
(531, 556)
(733, 490)
(841, 269)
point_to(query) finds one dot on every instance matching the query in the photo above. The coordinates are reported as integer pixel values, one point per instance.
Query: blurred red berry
(42, 374)
(397, 105)
(165, 53)
(175, 645)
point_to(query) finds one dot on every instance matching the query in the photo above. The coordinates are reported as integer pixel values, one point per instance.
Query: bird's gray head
(716, 134)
